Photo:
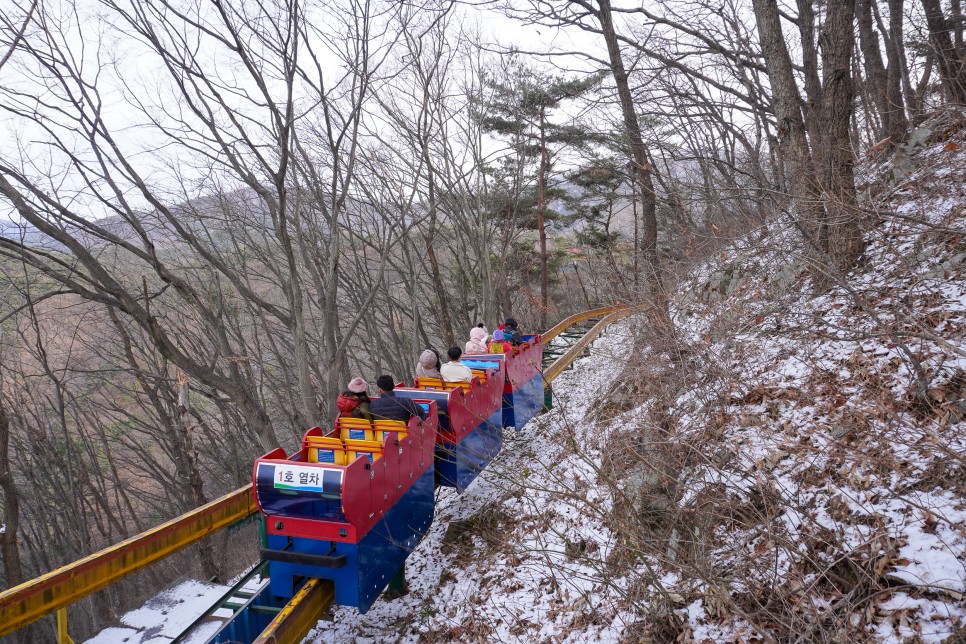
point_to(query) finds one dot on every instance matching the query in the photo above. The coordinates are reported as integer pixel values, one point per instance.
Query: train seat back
(436, 383)
(383, 428)
(428, 383)
(355, 429)
(328, 449)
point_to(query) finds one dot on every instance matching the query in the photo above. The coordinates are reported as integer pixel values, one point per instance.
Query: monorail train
(354, 501)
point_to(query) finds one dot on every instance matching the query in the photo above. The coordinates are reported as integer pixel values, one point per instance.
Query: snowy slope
(800, 476)
(832, 426)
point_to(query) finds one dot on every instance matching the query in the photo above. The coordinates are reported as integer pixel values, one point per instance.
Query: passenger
(388, 407)
(486, 333)
(476, 345)
(498, 345)
(511, 333)
(354, 401)
(428, 365)
(454, 370)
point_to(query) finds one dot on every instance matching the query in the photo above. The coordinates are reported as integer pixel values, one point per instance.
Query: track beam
(577, 318)
(302, 613)
(564, 361)
(39, 597)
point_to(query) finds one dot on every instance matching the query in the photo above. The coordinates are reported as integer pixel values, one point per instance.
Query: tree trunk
(189, 459)
(640, 174)
(895, 55)
(446, 321)
(9, 544)
(787, 106)
(952, 67)
(960, 24)
(876, 76)
(637, 232)
(812, 107)
(841, 235)
(12, 569)
(541, 180)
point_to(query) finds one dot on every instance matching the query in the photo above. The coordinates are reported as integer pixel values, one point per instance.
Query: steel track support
(62, 636)
(302, 613)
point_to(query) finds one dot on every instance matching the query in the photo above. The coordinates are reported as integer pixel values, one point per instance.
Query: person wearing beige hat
(354, 401)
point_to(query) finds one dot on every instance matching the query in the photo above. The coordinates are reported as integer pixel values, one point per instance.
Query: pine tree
(522, 112)
(599, 185)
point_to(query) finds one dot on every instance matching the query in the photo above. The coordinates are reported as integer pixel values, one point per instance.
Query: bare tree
(950, 54)
(12, 570)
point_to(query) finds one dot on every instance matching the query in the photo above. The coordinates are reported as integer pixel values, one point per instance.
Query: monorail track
(54, 591)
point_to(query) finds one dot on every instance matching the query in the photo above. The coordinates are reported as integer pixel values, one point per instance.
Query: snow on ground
(839, 419)
(164, 616)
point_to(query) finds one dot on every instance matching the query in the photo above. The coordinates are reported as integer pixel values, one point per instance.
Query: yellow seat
(383, 427)
(385, 424)
(429, 383)
(465, 386)
(355, 429)
(323, 449)
(363, 449)
(326, 449)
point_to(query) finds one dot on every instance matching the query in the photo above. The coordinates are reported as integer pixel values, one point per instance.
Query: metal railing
(577, 318)
(565, 360)
(31, 600)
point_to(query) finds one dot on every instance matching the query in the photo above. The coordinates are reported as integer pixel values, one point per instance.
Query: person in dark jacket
(354, 401)
(511, 333)
(388, 407)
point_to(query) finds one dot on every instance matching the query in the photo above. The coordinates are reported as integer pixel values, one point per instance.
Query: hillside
(801, 477)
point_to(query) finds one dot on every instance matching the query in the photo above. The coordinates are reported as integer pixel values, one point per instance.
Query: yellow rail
(34, 599)
(299, 615)
(577, 318)
(571, 354)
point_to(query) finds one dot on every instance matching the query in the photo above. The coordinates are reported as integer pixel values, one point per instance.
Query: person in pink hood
(428, 365)
(476, 344)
